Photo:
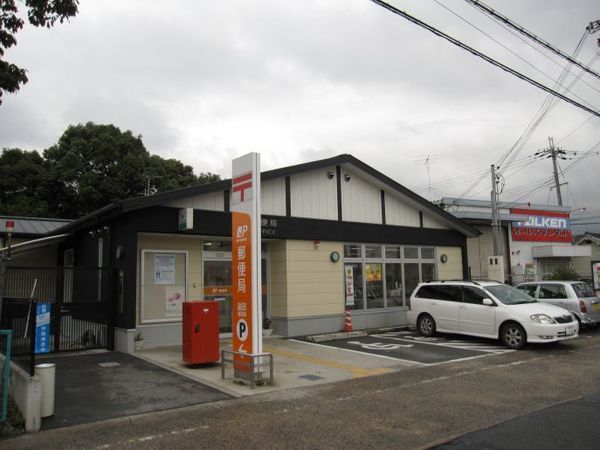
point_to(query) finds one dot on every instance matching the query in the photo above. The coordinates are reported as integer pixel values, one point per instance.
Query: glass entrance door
(217, 281)
(217, 286)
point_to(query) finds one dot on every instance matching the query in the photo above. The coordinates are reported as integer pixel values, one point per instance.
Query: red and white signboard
(542, 226)
(245, 258)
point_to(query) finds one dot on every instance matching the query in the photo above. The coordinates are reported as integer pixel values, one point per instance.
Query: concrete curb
(351, 334)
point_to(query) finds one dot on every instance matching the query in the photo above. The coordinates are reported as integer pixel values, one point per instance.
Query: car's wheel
(426, 325)
(513, 336)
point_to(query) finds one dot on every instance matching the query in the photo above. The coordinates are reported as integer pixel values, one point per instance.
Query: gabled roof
(133, 204)
(587, 236)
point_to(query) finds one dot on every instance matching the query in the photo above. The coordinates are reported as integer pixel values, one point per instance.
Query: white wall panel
(273, 197)
(314, 195)
(213, 201)
(361, 201)
(399, 213)
(431, 222)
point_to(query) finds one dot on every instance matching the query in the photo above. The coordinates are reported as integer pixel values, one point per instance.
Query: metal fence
(81, 308)
(18, 317)
(5, 349)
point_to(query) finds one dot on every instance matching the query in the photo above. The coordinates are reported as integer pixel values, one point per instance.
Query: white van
(488, 309)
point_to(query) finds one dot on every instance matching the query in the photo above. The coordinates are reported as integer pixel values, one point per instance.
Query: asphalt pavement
(105, 385)
(574, 425)
(421, 407)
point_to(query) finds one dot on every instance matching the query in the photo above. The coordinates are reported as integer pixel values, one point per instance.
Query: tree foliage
(89, 167)
(22, 181)
(40, 13)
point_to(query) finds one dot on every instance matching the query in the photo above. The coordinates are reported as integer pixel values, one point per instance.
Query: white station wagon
(488, 309)
(576, 296)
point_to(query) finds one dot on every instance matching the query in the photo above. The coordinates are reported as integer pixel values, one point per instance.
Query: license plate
(596, 307)
(569, 331)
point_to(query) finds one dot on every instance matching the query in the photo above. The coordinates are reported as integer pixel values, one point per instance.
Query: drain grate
(109, 364)
(311, 377)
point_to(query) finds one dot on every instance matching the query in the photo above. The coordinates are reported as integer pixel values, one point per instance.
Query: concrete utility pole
(495, 221)
(553, 152)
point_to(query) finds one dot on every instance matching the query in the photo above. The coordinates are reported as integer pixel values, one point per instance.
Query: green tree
(167, 174)
(94, 165)
(565, 273)
(22, 183)
(40, 13)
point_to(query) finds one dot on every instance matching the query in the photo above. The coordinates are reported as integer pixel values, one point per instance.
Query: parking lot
(410, 346)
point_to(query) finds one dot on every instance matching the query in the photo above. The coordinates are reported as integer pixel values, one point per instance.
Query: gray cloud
(205, 82)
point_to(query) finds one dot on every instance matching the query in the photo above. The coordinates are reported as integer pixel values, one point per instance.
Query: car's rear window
(440, 292)
(583, 290)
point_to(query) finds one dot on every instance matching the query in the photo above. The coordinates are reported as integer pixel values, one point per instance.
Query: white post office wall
(361, 201)
(272, 197)
(314, 194)
(400, 213)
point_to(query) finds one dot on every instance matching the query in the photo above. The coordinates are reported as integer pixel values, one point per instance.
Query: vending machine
(200, 332)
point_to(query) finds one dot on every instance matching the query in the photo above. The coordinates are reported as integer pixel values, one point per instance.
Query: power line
(539, 51)
(532, 36)
(565, 89)
(482, 55)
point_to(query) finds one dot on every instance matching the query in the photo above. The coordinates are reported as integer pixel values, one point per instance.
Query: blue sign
(42, 328)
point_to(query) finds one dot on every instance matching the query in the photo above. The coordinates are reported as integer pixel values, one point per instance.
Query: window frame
(384, 260)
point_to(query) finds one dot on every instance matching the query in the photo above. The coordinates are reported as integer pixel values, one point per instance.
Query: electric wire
(481, 55)
(565, 89)
(530, 35)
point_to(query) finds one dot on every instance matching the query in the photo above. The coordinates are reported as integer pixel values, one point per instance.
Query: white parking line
(407, 361)
(440, 342)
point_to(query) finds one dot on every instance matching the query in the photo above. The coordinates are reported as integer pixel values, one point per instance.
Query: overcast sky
(205, 82)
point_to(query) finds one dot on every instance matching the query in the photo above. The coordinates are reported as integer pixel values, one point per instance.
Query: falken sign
(546, 226)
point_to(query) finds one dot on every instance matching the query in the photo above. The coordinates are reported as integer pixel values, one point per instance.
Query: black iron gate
(81, 302)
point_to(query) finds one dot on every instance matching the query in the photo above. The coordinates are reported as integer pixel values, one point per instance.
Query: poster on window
(349, 277)
(164, 269)
(596, 276)
(373, 272)
(174, 297)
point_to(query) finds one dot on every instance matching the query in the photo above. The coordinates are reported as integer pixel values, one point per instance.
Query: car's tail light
(582, 306)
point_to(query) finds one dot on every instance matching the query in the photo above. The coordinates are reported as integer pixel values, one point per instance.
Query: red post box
(200, 332)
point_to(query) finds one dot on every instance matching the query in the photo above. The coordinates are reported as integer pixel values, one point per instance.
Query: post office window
(427, 253)
(393, 251)
(163, 285)
(411, 252)
(372, 251)
(352, 251)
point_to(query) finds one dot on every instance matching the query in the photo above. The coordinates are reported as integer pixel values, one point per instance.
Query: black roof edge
(90, 219)
(143, 202)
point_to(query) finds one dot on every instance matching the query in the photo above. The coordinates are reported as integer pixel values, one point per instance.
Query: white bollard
(47, 374)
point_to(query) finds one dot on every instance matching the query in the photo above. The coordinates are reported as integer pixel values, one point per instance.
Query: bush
(564, 274)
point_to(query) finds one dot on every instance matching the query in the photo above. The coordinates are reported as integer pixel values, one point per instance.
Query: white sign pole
(246, 254)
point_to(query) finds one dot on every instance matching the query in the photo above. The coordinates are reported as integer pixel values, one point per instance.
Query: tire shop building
(336, 234)
(535, 240)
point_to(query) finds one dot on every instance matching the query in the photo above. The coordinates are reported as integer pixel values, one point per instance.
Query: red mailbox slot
(200, 332)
